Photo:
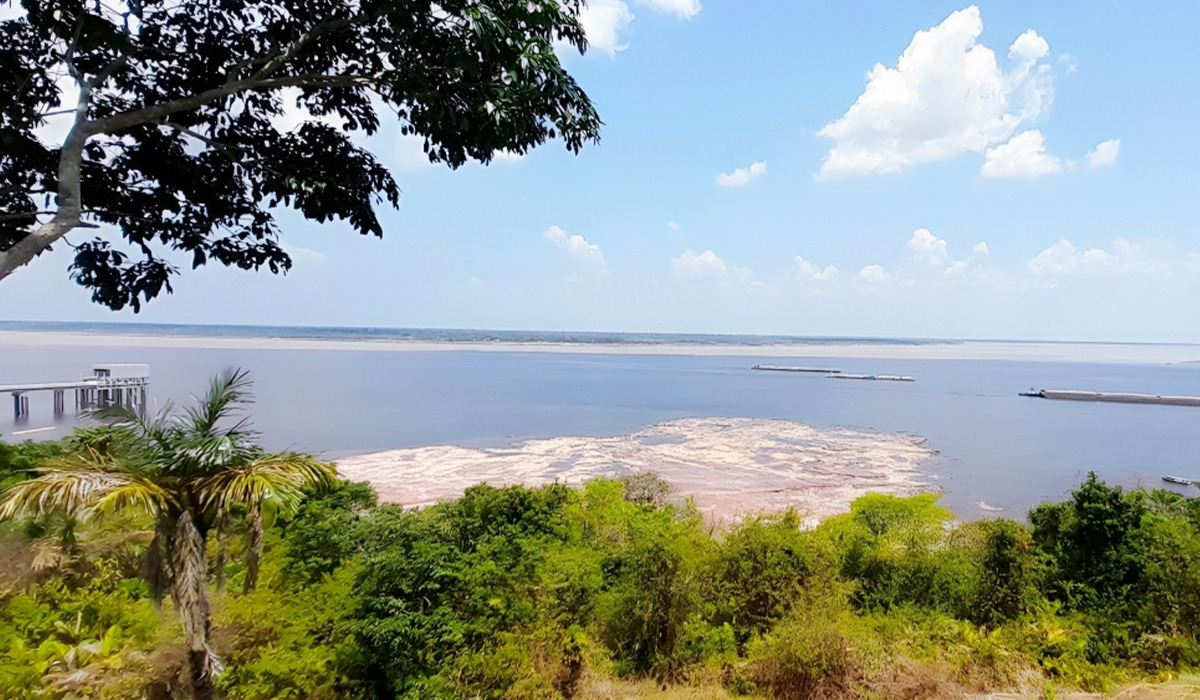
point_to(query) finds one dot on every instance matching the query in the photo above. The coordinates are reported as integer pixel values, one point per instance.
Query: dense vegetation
(613, 590)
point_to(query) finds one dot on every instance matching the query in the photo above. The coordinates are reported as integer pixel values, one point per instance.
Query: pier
(835, 373)
(1114, 397)
(874, 377)
(109, 385)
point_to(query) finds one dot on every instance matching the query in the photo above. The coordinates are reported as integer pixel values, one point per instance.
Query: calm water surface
(993, 445)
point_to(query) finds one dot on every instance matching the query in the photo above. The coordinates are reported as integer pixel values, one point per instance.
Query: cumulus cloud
(927, 247)
(474, 283)
(585, 256)
(1104, 154)
(873, 274)
(946, 96)
(742, 176)
(805, 270)
(706, 264)
(1024, 156)
(1122, 258)
(672, 225)
(981, 248)
(606, 23)
(682, 9)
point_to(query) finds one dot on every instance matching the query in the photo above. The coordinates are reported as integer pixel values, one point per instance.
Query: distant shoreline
(1101, 353)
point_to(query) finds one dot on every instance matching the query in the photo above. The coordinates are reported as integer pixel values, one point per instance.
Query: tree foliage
(172, 139)
(556, 592)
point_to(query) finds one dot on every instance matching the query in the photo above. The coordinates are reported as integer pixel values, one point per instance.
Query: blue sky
(1011, 170)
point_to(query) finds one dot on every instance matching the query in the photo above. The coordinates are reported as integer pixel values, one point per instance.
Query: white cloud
(706, 264)
(506, 156)
(606, 23)
(682, 9)
(946, 96)
(474, 283)
(927, 247)
(1029, 47)
(1068, 60)
(805, 270)
(981, 248)
(1062, 258)
(586, 256)
(1104, 154)
(672, 225)
(1122, 258)
(873, 274)
(742, 176)
(956, 269)
(1024, 155)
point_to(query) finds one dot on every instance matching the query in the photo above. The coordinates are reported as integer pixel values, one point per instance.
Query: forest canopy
(557, 592)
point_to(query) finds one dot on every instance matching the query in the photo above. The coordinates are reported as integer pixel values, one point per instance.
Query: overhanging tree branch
(470, 78)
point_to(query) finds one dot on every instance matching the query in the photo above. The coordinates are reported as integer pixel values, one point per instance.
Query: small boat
(1179, 480)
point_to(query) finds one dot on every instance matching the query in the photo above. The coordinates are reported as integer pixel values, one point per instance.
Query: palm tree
(183, 468)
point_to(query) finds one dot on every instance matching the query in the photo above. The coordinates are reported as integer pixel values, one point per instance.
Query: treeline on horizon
(616, 589)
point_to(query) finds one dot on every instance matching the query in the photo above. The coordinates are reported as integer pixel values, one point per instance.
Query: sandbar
(728, 466)
(1027, 351)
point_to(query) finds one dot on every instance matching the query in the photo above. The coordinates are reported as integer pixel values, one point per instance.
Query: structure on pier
(109, 385)
(813, 370)
(834, 373)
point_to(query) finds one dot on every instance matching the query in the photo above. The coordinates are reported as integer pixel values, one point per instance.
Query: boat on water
(1179, 480)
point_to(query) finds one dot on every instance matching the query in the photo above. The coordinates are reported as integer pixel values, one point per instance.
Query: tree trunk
(191, 602)
(254, 549)
(157, 566)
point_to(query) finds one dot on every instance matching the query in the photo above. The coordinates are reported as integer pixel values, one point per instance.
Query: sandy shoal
(729, 466)
(1112, 353)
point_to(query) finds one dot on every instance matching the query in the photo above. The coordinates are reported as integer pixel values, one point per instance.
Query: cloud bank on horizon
(946, 96)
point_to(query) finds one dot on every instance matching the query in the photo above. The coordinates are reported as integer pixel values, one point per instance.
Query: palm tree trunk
(254, 549)
(157, 566)
(191, 602)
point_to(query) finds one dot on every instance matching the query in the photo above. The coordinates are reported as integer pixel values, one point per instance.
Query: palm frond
(136, 493)
(227, 393)
(58, 490)
(199, 455)
(85, 479)
(278, 477)
(152, 430)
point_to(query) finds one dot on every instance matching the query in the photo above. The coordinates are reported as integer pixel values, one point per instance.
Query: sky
(1007, 170)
